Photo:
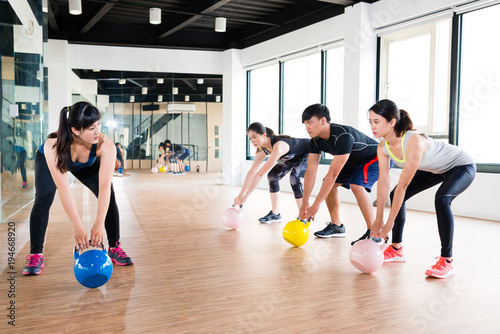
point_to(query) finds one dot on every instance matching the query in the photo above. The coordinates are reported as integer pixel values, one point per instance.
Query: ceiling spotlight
(175, 90)
(186, 98)
(210, 90)
(154, 15)
(122, 81)
(200, 81)
(220, 24)
(96, 70)
(217, 98)
(144, 90)
(132, 98)
(160, 98)
(75, 7)
(160, 81)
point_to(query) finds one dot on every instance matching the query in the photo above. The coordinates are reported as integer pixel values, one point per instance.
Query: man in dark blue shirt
(354, 166)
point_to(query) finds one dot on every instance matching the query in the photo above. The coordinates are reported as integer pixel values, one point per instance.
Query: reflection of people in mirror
(21, 163)
(119, 159)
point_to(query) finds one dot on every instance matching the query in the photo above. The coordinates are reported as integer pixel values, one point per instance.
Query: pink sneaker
(119, 256)
(441, 269)
(392, 254)
(34, 264)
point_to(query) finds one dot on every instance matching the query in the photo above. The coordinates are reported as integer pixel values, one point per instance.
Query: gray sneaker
(331, 231)
(270, 218)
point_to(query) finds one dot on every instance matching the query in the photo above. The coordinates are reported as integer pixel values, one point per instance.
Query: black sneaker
(363, 237)
(331, 231)
(119, 256)
(270, 218)
(34, 264)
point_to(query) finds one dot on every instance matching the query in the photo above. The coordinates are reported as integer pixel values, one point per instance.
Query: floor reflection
(13, 195)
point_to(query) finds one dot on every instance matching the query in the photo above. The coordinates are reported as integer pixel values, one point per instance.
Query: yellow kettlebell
(296, 232)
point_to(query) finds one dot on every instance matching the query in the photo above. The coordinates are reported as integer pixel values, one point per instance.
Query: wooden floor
(194, 275)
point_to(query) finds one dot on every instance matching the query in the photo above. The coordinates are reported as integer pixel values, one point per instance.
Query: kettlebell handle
(76, 251)
(308, 220)
(241, 207)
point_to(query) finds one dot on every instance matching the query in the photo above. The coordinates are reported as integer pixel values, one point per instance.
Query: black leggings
(296, 166)
(44, 196)
(454, 182)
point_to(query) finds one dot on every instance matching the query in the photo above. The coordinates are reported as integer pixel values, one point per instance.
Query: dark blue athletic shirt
(345, 139)
(74, 166)
(178, 149)
(298, 146)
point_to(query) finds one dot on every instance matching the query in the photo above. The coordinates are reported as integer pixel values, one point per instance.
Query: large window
(278, 94)
(263, 98)
(415, 74)
(335, 83)
(302, 87)
(479, 93)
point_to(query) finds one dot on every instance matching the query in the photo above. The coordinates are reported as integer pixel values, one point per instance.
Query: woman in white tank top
(426, 163)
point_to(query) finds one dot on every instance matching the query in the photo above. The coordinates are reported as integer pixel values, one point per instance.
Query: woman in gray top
(426, 163)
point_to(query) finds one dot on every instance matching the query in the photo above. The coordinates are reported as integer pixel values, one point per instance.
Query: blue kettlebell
(93, 268)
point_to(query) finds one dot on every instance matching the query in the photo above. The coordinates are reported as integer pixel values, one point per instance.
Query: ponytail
(80, 115)
(64, 140)
(404, 124)
(389, 110)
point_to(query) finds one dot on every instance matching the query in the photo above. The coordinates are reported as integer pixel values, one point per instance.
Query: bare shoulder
(104, 145)
(49, 145)
(281, 146)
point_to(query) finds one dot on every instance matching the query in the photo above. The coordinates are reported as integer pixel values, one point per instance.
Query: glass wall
(22, 104)
(140, 128)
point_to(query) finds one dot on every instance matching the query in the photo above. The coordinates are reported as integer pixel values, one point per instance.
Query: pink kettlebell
(367, 256)
(232, 217)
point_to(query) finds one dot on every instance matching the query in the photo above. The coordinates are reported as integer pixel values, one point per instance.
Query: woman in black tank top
(81, 148)
(286, 155)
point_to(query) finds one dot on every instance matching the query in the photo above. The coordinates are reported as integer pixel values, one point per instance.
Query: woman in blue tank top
(425, 163)
(81, 148)
(286, 155)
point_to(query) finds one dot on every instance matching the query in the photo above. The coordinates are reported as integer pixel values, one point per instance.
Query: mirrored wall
(140, 110)
(140, 128)
(22, 102)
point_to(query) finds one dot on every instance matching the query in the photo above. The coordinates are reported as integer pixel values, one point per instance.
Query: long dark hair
(389, 110)
(261, 129)
(80, 115)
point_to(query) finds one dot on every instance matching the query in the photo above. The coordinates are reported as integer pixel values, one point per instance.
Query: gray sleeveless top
(439, 158)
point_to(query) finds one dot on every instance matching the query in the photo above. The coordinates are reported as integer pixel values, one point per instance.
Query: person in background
(286, 155)
(119, 158)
